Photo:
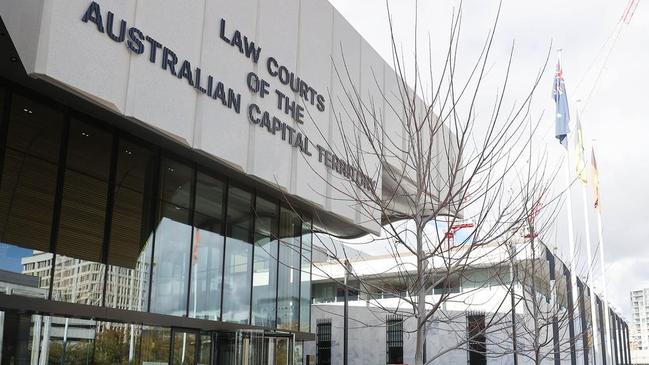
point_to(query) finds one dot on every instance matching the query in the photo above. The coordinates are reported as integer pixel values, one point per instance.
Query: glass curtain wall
(132, 230)
(288, 294)
(237, 278)
(172, 244)
(131, 238)
(264, 280)
(78, 270)
(305, 276)
(30, 164)
(184, 348)
(154, 346)
(207, 249)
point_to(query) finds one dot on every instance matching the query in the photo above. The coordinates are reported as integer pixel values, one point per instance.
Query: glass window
(447, 285)
(288, 299)
(71, 340)
(79, 273)
(326, 293)
(23, 338)
(282, 351)
(205, 351)
(184, 348)
(154, 346)
(264, 280)
(27, 191)
(475, 278)
(226, 347)
(207, 251)
(298, 353)
(352, 292)
(238, 257)
(172, 246)
(131, 238)
(114, 342)
(305, 278)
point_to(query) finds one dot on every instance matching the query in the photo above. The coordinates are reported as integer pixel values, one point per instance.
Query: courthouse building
(162, 168)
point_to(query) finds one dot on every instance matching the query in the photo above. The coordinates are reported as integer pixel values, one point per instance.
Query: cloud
(614, 111)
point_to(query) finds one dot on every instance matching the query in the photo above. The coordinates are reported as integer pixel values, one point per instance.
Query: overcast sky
(614, 115)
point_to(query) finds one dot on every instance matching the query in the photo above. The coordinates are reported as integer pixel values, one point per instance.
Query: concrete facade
(477, 292)
(163, 70)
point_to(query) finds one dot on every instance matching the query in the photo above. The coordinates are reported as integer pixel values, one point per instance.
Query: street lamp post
(348, 269)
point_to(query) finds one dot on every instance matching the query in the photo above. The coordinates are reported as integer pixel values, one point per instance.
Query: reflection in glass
(205, 353)
(154, 346)
(288, 299)
(26, 338)
(207, 250)
(184, 348)
(170, 276)
(282, 351)
(238, 258)
(305, 278)
(78, 281)
(264, 281)
(226, 348)
(128, 287)
(27, 190)
(298, 353)
(79, 273)
(70, 341)
(131, 240)
(113, 344)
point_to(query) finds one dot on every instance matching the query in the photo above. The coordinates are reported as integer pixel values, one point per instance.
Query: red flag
(197, 239)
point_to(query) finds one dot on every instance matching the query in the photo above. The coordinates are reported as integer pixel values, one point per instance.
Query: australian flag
(562, 116)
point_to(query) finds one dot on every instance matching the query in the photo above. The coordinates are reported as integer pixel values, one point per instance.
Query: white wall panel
(24, 23)
(371, 89)
(155, 95)
(345, 76)
(316, 27)
(307, 37)
(220, 131)
(278, 32)
(80, 56)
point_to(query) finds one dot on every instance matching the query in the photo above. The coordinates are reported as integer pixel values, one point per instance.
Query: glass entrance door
(255, 348)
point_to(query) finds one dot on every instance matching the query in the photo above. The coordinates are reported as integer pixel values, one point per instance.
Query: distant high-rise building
(640, 328)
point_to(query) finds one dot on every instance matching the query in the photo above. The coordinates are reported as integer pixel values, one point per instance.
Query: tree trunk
(421, 299)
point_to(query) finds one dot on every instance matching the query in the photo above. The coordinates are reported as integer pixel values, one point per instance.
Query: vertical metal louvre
(323, 333)
(477, 351)
(394, 339)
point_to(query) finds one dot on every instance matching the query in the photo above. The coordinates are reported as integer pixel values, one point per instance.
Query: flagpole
(571, 235)
(593, 313)
(571, 239)
(600, 234)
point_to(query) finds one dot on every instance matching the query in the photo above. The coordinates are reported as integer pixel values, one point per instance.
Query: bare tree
(443, 163)
(546, 323)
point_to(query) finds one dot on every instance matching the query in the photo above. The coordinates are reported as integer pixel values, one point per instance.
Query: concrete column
(602, 329)
(571, 316)
(628, 342)
(620, 334)
(616, 359)
(625, 330)
(584, 321)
